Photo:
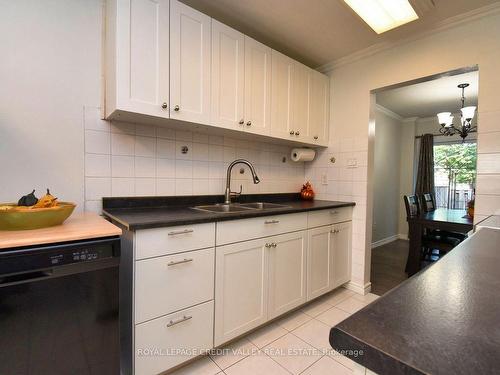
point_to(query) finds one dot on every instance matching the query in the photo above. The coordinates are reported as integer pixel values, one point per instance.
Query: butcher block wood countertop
(79, 226)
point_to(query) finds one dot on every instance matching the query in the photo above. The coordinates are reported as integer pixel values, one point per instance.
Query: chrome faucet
(256, 180)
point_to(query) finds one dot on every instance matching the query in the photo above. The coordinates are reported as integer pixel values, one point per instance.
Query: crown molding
(388, 112)
(444, 25)
(410, 119)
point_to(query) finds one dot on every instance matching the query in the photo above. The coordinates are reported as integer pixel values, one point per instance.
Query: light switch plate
(324, 179)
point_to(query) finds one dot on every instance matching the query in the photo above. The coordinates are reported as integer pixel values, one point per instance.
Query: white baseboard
(358, 288)
(403, 237)
(385, 241)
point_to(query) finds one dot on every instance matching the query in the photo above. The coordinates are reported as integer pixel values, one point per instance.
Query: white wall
(386, 179)
(50, 71)
(440, 52)
(50, 68)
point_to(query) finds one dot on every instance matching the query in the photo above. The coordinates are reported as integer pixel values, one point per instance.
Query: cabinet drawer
(168, 341)
(330, 216)
(162, 241)
(257, 227)
(170, 283)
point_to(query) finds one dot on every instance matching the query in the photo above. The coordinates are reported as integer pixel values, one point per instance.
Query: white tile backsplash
(125, 159)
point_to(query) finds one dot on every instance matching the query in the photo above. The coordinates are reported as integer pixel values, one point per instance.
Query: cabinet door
(300, 101)
(319, 253)
(190, 45)
(228, 63)
(287, 272)
(341, 260)
(142, 58)
(281, 95)
(257, 87)
(240, 288)
(319, 107)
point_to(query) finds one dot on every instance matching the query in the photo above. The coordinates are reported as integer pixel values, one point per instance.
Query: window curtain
(425, 172)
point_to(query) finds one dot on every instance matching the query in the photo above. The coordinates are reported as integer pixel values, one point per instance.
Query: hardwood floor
(388, 266)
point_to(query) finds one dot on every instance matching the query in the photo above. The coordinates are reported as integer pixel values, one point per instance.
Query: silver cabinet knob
(297, 133)
(315, 137)
(176, 108)
(249, 123)
(164, 106)
(274, 244)
(268, 245)
(241, 122)
(292, 132)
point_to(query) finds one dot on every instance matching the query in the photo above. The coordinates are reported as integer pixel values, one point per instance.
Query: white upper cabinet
(228, 76)
(137, 55)
(190, 50)
(281, 95)
(319, 107)
(300, 101)
(166, 60)
(257, 87)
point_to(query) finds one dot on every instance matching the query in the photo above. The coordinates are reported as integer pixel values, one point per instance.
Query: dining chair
(433, 245)
(429, 204)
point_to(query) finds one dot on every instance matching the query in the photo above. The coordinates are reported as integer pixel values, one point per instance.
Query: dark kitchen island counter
(154, 212)
(443, 320)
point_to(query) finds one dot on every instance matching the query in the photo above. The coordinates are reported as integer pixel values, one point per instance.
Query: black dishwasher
(59, 308)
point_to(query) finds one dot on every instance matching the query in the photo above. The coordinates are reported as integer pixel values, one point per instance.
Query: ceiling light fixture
(467, 114)
(383, 15)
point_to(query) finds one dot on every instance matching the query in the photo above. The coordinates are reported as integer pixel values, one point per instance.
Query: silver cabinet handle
(297, 133)
(315, 137)
(274, 244)
(271, 222)
(292, 132)
(241, 122)
(174, 322)
(186, 260)
(268, 245)
(335, 231)
(249, 123)
(164, 106)
(176, 108)
(185, 231)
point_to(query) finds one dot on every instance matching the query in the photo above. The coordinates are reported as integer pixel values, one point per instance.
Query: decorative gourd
(28, 200)
(307, 192)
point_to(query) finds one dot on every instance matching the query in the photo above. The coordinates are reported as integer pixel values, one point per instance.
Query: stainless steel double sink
(238, 207)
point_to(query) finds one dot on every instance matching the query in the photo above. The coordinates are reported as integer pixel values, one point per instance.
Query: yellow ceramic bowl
(20, 219)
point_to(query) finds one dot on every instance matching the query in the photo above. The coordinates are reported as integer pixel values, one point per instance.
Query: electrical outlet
(324, 179)
(352, 163)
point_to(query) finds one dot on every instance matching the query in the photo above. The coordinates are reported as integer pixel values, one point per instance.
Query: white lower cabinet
(170, 283)
(319, 255)
(287, 272)
(340, 262)
(165, 342)
(200, 286)
(240, 288)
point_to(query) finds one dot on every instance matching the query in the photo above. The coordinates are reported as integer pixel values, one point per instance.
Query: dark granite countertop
(443, 320)
(153, 212)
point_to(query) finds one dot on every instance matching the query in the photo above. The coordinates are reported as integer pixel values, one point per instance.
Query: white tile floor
(295, 344)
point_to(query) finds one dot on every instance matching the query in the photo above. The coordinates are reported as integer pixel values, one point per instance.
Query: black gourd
(28, 200)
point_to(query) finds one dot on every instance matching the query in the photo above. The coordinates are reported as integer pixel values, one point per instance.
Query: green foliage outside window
(458, 158)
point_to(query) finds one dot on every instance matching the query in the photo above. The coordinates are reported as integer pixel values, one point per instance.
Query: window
(455, 174)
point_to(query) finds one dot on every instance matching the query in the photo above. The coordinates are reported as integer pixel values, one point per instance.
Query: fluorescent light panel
(383, 15)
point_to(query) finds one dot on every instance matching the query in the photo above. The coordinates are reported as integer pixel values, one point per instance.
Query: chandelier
(467, 114)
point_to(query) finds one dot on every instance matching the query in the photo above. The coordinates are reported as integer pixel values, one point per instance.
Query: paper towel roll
(303, 154)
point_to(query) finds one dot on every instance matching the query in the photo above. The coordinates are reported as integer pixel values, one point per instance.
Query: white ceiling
(429, 98)
(317, 32)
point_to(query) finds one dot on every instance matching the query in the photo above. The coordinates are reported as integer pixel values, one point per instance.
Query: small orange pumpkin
(307, 192)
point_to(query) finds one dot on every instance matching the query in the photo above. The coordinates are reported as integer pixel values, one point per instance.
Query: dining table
(453, 220)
